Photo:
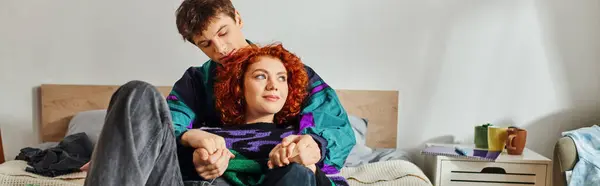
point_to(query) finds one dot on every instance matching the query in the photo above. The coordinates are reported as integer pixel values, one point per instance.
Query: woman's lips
(271, 97)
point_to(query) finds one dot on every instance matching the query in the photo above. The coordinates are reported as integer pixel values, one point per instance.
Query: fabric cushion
(359, 126)
(90, 122)
(361, 154)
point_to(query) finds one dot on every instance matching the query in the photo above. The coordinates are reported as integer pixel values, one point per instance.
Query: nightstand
(530, 168)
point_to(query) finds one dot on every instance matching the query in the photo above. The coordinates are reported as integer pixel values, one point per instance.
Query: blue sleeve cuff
(322, 145)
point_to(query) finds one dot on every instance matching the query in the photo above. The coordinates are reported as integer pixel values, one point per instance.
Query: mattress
(13, 173)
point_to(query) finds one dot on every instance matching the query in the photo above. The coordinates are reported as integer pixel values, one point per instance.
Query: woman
(259, 91)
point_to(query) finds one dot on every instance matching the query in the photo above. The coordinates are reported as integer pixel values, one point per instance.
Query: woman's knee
(292, 174)
(295, 167)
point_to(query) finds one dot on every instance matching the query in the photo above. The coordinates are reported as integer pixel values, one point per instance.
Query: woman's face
(265, 86)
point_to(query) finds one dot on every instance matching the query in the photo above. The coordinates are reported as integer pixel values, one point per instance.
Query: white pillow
(90, 122)
(359, 126)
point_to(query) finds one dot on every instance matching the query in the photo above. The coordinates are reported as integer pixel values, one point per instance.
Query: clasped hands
(211, 156)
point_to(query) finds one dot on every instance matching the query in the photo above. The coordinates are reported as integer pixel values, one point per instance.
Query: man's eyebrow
(202, 41)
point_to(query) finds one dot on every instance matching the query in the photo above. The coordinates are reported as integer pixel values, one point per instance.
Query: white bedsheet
(13, 173)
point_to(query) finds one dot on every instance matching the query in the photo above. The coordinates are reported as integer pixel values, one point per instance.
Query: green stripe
(243, 171)
(181, 114)
(315, 84)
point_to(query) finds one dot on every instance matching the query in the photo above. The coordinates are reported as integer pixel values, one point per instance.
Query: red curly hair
(229, 90)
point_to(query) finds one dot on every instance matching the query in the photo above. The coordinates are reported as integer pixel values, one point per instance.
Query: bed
(377, 109)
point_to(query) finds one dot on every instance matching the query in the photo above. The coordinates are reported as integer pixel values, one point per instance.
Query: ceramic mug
(516, 139)
(481, 136)
(496, 138)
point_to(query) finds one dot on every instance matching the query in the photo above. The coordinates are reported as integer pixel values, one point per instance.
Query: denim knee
(292, 174)
(134, 85)
(298, 169)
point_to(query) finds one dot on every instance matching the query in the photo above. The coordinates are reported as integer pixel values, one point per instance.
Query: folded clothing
(67, 157)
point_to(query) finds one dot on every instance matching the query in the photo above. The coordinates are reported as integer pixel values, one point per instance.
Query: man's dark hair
(193, 16)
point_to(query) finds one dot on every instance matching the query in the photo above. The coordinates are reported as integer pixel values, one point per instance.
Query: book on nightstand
(461, 152)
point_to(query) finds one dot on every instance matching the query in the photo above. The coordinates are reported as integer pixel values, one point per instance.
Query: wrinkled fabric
(67, 157)
(361, 154)
(587, 169)
(137, 144)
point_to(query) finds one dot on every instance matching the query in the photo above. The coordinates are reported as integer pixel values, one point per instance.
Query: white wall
(456, 63)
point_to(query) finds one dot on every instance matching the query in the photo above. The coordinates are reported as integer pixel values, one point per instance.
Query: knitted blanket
(393, 172)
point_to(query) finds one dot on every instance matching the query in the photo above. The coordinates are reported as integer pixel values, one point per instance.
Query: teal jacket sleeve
(190, 100)
(324, 118)
(182, 102)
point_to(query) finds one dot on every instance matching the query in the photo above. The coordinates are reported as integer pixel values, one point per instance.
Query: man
(215, 26)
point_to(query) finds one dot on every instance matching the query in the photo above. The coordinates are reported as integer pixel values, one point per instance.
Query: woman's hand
(211, 166)
(306, 151)
(302, 149)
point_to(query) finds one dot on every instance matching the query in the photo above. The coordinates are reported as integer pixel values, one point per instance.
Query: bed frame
(59, 103)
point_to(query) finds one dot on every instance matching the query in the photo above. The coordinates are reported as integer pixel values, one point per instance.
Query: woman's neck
(253, 118)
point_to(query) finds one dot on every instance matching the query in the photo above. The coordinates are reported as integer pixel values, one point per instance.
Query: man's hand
(199, 139)
(211, 166)
(302, 149)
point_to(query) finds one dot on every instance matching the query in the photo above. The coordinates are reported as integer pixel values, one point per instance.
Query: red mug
(516, 140)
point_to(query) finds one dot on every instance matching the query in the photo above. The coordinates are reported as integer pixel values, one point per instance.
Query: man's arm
(182, 101)
(187, 103)
(327, 122)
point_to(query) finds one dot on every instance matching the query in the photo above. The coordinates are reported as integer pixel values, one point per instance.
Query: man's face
(222, 37)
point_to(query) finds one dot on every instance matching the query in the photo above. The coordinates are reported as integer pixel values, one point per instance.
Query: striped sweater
(251, 145)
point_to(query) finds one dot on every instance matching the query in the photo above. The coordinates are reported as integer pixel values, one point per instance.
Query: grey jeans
(137, 144)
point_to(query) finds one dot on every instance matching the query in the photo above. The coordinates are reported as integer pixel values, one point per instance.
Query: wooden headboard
(59, 103)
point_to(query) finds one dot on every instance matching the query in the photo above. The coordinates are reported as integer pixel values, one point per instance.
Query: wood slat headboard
(59, 103)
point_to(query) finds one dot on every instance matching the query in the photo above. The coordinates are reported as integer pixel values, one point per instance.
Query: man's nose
(221, 47)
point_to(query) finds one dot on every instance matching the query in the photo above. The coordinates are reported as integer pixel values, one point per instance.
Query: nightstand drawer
(459, 173)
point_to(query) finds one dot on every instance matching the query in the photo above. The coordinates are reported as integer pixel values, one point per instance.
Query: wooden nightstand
(530, 168)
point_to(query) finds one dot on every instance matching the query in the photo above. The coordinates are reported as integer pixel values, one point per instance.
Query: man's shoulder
(309, 70)
(201, 70)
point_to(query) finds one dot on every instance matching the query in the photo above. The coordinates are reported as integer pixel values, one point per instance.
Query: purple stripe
(286, 134)
(255, 145)
(233, 136)
(229, 141)
(319, 88)
(328, 169)
(191, 124)
(172, 97)
(306, 121)
(338, 180)
(235, 133)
